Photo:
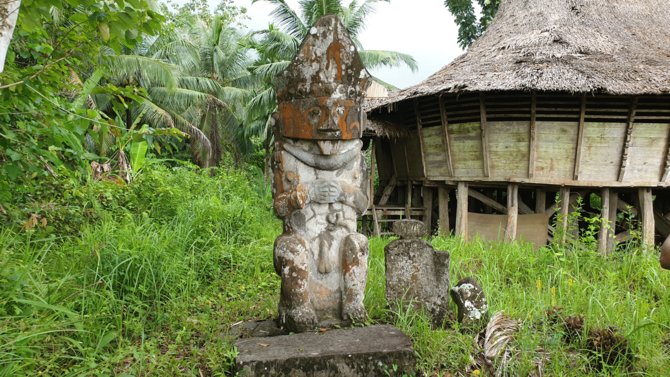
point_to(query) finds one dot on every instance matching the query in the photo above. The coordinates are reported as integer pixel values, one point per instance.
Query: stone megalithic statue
(320, 184)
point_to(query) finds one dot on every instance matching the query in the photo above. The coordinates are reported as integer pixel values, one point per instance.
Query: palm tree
(189, 78)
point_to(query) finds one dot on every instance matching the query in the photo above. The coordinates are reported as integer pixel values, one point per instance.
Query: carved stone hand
(323, 191)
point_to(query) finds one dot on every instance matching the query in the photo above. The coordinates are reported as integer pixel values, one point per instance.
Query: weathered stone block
(416, 272)
(366, 351)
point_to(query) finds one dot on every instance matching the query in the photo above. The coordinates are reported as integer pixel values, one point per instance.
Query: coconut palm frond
(287, 18)
(271, 70)
(155, 115)
(180, 99)
(315, 9)
(144, 70)
(499, 332)
(381, 58)
(201, 84)
(262, 104)
(354, 16)
(274, 44)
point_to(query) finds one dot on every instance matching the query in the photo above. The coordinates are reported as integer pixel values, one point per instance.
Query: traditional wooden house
(558, 100)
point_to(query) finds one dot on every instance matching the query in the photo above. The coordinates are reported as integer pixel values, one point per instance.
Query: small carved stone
(471, 302)
(409, 229)
(320, 182)
(415, 272)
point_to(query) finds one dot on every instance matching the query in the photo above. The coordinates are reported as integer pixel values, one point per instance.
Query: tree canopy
(465, 12)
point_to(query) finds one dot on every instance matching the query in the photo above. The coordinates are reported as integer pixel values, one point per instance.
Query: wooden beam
(428, 208)
(532, 137)
(540, 201)
(443, 207)
(419, 129)
(512, 211)
(580, 138)
(445, 136)
(628, 139)
(564, 214)
(647, 216)
(375, 220)
(614, 204)
(662, 224)
(523, 208)
(404, 150)
(484, 136)
(624, 206)
(605, 225)
(462, 210)
(488, 201)
(388, 190)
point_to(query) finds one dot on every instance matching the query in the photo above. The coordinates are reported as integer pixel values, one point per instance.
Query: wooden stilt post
(646, 216)
(443, 205)
(605, 225)
(408, 199)
(611, 232)
(564, 213)
(428, 208)
(540, 201)
(462, 210)
(512, 211)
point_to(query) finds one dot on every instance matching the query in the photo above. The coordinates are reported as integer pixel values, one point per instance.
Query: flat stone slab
(380, 350)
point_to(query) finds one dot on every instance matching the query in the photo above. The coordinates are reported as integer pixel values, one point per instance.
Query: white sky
(421, 28)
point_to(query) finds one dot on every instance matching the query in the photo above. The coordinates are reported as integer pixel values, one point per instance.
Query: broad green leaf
(138, 154)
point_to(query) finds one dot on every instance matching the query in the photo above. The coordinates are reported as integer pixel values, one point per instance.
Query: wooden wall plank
(646, 152)
(508, 149)
(466, 149)
(435, 152)
(555, 150)
(602, 150)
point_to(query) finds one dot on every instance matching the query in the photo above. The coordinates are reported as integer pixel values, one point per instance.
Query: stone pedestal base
(368, 351)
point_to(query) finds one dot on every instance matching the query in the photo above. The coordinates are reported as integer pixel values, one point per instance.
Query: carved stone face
(323, 118)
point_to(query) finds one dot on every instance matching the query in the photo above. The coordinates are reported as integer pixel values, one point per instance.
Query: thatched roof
(617, 47)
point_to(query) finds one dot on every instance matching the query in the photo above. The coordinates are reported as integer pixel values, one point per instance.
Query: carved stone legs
(355, 269)
(291, 260)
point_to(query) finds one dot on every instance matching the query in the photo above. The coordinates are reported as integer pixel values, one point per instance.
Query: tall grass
(148, 278)
(150, 287)
(626, 290)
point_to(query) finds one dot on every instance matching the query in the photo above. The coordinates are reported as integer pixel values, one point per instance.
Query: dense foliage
(140, 279)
